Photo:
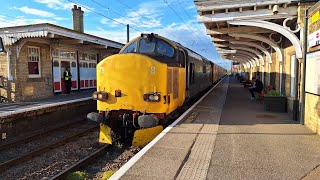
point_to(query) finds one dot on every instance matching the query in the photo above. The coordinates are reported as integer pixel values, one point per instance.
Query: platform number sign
(1, 45)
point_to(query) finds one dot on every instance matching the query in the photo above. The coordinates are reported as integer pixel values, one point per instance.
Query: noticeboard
(313, 73)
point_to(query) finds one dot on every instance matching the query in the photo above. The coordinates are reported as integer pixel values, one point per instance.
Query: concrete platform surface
(18, 107)
(254, 144)
(228, 136)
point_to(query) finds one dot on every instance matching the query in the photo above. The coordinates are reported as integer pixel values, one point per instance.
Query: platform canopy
(253, 28)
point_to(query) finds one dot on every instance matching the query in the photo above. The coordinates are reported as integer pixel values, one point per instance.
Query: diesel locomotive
(145, 86)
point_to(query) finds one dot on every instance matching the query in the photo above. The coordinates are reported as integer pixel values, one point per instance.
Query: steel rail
(85, 161)
(27, 156)
(35, 136)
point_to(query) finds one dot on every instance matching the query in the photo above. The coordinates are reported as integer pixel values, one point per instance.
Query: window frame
(136, 48)
(192, 72)
(166, 43)
(39, 64)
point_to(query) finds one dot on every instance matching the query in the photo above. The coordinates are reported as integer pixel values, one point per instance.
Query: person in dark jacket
(257, 87)
(67, 80)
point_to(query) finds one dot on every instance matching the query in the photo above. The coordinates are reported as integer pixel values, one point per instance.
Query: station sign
(314, 39)
(315, 17)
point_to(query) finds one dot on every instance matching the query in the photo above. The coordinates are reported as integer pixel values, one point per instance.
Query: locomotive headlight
(156, 98)
(152, 97)
(95, 95)
(100, 96)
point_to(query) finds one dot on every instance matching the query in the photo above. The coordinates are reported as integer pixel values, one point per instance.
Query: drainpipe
(9, 62)
(303, 95)
(296, 99)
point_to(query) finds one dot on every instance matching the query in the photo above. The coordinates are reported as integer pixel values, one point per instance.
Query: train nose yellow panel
(105, 134)
(143, 136)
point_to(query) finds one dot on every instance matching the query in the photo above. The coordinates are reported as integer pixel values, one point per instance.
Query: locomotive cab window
(147, 45)
(164, 48)
(182, 58)
(131, 48)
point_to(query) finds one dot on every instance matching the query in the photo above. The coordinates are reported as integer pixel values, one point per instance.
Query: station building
(37, 55)
(267, 39)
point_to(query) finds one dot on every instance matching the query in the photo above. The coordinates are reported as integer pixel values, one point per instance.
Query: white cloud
(60, 4)
(60, 18)
(56, 4)
(148, 15)
(36, 12)
(22, 21)
(119, 35)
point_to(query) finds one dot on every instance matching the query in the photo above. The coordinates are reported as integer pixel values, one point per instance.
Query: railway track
(85, 161)
(6, 164)
(36, 135)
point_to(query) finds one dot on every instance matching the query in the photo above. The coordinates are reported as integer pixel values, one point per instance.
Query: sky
(173, 19)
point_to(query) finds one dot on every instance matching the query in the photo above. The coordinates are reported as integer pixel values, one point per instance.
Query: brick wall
(34, 88)
(289, 51)
(312, 112)
(3, 75)
(273, 70)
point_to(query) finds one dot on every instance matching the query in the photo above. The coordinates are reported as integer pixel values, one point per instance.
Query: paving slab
(189, 143)
(227, 136)
(254, 144)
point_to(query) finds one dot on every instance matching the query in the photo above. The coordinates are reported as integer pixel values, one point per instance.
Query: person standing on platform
(257, 87)
(67, 80)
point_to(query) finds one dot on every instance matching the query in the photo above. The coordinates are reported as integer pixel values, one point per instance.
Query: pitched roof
(13, 34)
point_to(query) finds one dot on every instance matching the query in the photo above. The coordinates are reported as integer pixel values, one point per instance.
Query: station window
(92, 65)
(56, 64)
(67, 54)
(92, 57)
(56, 53)
(73, 64)
(34, 62)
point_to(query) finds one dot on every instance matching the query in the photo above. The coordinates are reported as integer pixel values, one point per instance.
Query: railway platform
(24, 118)
(225, 135)
(8, 109)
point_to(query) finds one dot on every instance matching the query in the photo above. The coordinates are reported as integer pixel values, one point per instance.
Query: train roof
(190, 52)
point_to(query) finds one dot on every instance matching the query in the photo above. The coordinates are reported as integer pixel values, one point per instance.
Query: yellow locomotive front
(138, 88)
(133, 82)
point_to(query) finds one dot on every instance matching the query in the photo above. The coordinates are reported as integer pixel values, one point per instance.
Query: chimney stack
(77, 18)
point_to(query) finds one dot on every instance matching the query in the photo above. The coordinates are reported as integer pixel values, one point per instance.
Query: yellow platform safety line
(143, 136)
(105, 134)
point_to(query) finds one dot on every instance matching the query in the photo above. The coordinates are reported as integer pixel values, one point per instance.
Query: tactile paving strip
(198, 162)
(199, 159)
